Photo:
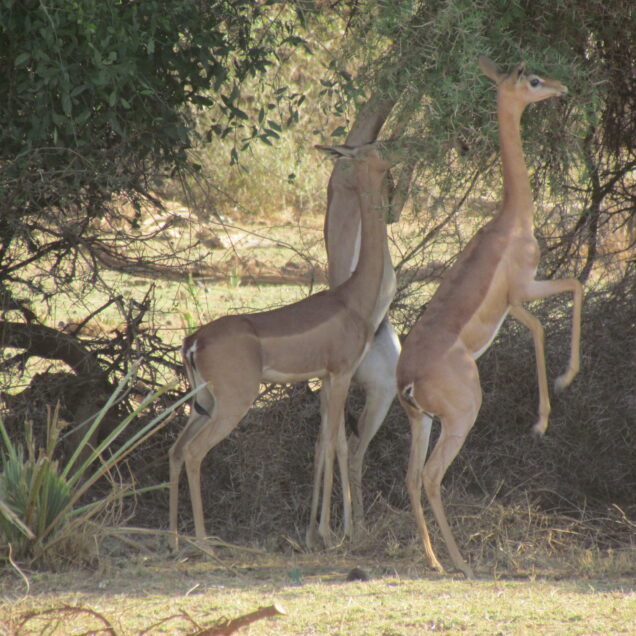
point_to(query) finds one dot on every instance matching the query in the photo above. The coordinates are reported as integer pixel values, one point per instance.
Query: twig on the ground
(225, 627)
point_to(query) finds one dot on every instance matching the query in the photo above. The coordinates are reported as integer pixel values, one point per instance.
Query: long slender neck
(343, 223)
(342, 216)
(517, 197)
(363, 287)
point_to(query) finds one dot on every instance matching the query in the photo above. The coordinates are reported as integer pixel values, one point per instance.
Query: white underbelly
(476, 354)
(281, 377)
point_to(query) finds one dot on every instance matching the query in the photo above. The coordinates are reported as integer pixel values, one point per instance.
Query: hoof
(560, 384)
(312, 539)
(317, 539)
(563, 381)
(434, 564)
(540, 428)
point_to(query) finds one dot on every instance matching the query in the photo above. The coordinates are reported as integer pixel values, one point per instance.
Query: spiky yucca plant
(31, 486)
(39, 500)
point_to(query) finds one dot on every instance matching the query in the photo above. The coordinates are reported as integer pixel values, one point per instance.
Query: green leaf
(13, 519)
(59, 120)
(66, 104)
(21, 59)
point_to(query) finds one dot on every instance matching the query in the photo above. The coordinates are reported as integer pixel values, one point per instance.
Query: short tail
(407, 396)
(191, 373)
(200, 409)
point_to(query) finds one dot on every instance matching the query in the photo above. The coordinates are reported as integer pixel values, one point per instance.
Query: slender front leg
(335, 422)
(545, 288)
(342, 454)
(311, 538)
(536, 329)
(331, 437)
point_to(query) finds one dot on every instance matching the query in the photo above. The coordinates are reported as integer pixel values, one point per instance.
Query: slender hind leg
(376, 375)
(456, 423)
(229, 411)
(456, 396)
(420, 435)
(176, 459)
(442, 456)
(378, 402)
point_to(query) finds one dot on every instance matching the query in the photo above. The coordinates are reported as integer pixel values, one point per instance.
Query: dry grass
(154, 595)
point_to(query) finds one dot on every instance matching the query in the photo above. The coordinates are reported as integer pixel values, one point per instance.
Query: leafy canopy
(95, 93)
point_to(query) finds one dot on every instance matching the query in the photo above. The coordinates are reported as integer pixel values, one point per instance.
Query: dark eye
(535, 81)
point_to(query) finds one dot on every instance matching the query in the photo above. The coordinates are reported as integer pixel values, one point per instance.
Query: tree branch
(45, 342)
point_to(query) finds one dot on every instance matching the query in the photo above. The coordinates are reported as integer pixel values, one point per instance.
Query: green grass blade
(13, 519)
(130, 493)
(8, 444)
(98, 418)
(149, 429)
(140, 435)
(97, 453)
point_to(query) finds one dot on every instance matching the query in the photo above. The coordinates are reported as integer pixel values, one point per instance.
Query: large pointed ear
(489, 69)
(337, 151)
(519, 71)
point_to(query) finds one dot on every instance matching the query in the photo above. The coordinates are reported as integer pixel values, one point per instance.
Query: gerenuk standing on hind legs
(493, 276)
